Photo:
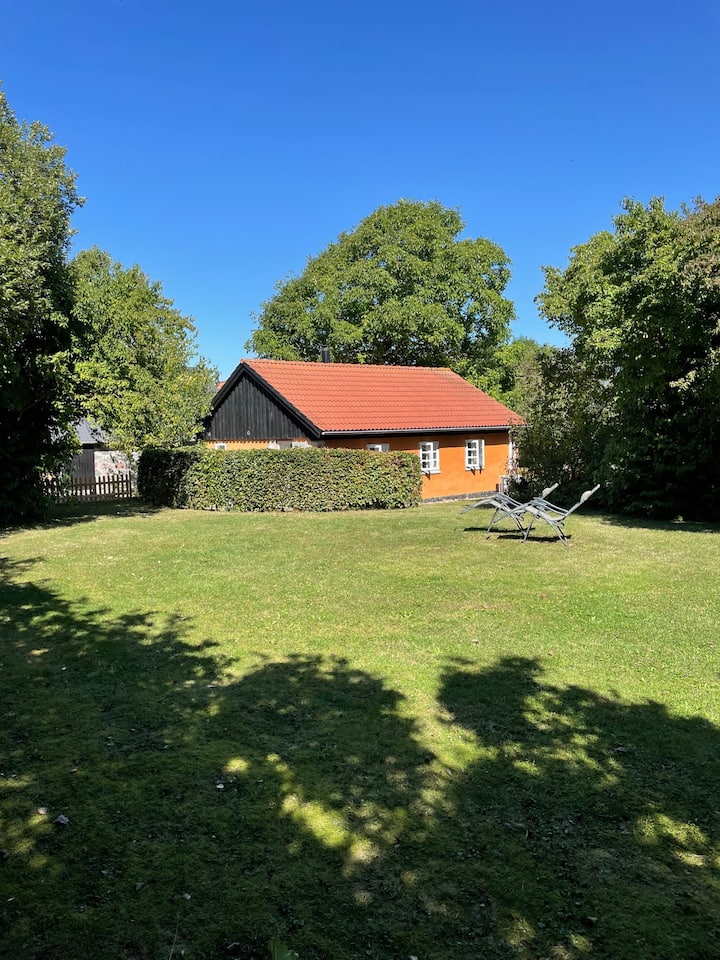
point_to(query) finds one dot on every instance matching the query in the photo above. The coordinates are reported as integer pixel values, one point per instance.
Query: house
(90, 438)
(95, 459)
(460, 433)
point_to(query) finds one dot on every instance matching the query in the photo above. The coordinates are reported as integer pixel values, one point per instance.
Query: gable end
(247, 410)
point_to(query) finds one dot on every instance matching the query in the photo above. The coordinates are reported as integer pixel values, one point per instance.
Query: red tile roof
(346, 398)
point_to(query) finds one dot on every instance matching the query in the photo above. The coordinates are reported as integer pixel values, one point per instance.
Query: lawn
(373, 735)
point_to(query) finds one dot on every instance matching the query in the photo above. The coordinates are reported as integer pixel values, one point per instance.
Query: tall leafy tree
(139, 378)
(565, 408)
(402, 288)
(37, 329)
(514, 374)
(641, 307)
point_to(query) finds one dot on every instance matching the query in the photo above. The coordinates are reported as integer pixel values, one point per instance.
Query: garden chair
(553, 516)
(507, 507)
(515, 510)
(503, 499)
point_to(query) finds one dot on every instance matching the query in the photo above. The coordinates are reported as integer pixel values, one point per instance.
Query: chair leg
(555, 525)
(528, 529)
(497, 519)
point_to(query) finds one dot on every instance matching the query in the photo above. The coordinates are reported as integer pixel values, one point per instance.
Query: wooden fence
(117, 487)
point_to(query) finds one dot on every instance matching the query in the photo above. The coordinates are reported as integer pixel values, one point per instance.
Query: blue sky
(221, 144)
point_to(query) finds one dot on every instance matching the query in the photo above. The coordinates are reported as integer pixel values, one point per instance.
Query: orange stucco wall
(453, 480)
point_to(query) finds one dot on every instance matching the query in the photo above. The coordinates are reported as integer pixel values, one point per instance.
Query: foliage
(137, 379)
(37, 199)
(262, 480)
(514, 376)
(369, 734)
(641, 307)
(566, 417)
(402, 288)
(278, 951)
(161, 474)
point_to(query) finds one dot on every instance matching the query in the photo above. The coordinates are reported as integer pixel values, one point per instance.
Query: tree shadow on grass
(77, 512)
(94, 709)
(206, 811)
(209, 811)
(73, 512)
(669, 526)
(595, 823)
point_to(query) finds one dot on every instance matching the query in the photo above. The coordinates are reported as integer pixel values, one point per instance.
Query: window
(430, 456)
(379, 447)
(474, 454)
(221, 446)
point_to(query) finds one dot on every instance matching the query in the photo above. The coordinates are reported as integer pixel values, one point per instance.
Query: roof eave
(408, 431)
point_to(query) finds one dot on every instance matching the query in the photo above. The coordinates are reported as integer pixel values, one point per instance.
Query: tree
(641, 307)
(137, 380)
(565, 408)
(400, 289)
(37, 328)
(514, 374)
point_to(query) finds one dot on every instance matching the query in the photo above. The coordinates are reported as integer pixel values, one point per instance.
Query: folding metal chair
(517, 511)
(502, 503)
(552, 515)
(507, 508)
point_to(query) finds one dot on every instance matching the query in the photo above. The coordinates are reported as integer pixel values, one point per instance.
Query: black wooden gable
(247, 409)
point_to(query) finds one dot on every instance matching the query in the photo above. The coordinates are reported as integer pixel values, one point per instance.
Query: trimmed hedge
(314, 478)
(161, 474)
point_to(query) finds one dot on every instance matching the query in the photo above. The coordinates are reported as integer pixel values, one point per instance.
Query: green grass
(370, 735)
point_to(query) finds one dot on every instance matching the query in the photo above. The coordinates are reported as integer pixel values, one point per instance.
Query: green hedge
(161, 474)
(260, 480)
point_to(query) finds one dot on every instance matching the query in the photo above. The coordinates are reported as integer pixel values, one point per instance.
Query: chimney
(326, 354)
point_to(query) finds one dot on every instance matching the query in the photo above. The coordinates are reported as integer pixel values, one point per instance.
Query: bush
(161, 474)
(264, 480)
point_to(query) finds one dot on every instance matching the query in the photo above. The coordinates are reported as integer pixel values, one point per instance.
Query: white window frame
(430, 456)
(474, 454)
(378, 447)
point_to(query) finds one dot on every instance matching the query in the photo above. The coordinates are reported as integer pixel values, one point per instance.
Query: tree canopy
(513, 377)
(402, 288)
(641, 306)
(139, 378)
(37, 329)
(82, 338)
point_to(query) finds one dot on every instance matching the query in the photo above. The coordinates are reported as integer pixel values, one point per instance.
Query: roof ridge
(340, 363)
